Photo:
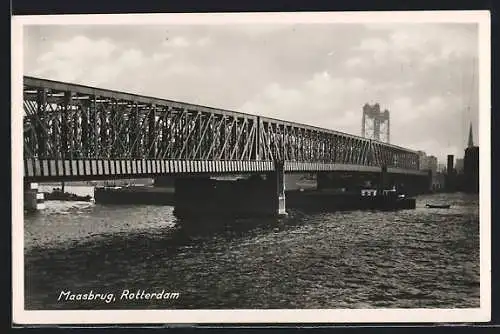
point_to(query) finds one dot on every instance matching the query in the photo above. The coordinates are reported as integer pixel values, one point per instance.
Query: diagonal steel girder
(64, 120)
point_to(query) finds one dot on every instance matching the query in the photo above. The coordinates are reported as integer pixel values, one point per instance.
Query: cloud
(102, 63)
(354, 62)
(131, 57)
(176, 42)
(430, 125)
(77, 57)
(203, 41)
(181, 42)
(158, 57)
(93, 49)
(412, 43)
(421, 73)
(374, 45)
(322, 100)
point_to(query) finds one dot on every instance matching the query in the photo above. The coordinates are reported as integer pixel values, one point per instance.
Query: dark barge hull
(67, 197)
(330, 201)
(248, 203)
(134, 195)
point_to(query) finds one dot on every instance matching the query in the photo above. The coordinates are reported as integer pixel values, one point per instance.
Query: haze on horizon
(426, 75)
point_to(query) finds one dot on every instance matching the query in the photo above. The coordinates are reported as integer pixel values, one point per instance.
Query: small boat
(435, 206)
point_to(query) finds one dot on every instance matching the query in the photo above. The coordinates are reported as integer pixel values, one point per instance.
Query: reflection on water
(411, 258)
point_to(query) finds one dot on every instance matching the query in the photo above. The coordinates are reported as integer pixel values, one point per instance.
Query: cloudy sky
(319, 74)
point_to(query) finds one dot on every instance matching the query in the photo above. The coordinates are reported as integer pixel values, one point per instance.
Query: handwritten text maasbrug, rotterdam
(109, 297)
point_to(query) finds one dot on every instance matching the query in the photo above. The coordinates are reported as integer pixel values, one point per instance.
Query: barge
(58, 194)
(366, 199)
(134, 195)
(249, 198)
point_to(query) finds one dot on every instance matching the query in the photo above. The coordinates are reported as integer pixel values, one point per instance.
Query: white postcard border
(481, 314)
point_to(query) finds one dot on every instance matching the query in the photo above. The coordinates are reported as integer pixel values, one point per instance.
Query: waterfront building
(459, 165)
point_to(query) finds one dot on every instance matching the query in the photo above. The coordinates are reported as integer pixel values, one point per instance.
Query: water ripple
(411, 258)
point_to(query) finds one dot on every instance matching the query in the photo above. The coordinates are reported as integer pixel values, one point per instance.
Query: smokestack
(449, 167)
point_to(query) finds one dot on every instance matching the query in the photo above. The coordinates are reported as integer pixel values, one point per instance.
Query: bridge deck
(39, 170)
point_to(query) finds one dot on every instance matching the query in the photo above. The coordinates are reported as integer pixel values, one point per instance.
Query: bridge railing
(68, 121)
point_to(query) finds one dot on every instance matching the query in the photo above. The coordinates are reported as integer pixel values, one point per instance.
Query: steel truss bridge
(79, 132)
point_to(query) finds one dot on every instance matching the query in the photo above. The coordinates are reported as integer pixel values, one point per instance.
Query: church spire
(471, 142)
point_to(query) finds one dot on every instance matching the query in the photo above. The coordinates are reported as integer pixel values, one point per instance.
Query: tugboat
(387, 199)
(58, 194)
(362, 198)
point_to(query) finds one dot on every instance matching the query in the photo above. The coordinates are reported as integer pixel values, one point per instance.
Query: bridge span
(75, 132)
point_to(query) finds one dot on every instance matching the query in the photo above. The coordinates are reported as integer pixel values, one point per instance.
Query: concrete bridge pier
(164, 181)
(324, 180)
(385, 181)
(278, 179)
(259, 195)
(33, 199)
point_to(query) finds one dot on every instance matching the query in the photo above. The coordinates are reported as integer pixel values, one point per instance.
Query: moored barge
(333, 200)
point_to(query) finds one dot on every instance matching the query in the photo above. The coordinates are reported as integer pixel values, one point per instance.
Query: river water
(405, 259)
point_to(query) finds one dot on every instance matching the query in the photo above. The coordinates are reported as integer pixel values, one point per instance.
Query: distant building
(427, 162)
(451, 184)
(441, 168)
(471, 166)
(471, 169)
(438, 181)
(432, 164)
(449, 165)
(422, 161)
(459, 165)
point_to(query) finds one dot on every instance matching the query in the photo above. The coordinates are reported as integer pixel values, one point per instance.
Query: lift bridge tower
(375, 123)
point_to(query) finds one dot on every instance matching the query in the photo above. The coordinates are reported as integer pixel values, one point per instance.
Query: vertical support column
(113, 129)
(323, 180)
(257, 140)
(198, 136)
(33, 200)
(75, 147)
(96, 148)
(85, 105)
(222, 137)
(233, 144)
(383, 178)
(151, 149)
(65, 125)
(279, 170)
(430, 177)
(41, 117)
(103, 130)
(76, 142)
(133, 131)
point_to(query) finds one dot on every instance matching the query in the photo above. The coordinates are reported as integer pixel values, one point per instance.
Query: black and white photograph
(259, 167)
